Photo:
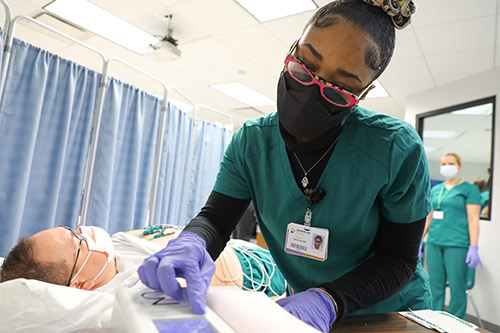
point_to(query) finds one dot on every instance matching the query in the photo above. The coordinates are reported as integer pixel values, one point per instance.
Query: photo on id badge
(318, 242)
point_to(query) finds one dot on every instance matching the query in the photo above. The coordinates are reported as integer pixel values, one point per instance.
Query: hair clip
(400, 11)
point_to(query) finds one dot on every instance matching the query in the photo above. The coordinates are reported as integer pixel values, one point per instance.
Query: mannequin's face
(60, 245)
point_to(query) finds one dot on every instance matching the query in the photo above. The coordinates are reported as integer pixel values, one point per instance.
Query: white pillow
(35, 306)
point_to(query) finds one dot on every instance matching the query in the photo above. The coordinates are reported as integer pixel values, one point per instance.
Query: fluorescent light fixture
(265, 10)
(93, 18)
(431, 149)
(243, 93)
(377, 92)
(478, 110)
(441, 134)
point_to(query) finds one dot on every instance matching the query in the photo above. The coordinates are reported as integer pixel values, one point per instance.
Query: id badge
(307, 242)
(438, 215)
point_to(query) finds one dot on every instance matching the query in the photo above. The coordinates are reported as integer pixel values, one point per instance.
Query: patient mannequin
(50, 255)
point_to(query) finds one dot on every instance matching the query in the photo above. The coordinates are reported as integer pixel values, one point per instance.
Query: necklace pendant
(305, 181)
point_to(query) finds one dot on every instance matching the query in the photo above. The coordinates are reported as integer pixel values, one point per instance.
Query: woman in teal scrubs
(453, 228)
(321, 166)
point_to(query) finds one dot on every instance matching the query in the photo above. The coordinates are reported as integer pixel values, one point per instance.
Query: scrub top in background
(453, 229)
(378, 166)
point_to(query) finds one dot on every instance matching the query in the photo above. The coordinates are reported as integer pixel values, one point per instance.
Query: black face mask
(303, 111)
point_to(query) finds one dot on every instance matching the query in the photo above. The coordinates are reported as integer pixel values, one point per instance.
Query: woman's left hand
(313, 308)
(472, 259)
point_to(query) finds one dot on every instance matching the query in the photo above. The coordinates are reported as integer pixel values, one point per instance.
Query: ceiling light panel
(243, 93)
(103, 23)
(265, 10)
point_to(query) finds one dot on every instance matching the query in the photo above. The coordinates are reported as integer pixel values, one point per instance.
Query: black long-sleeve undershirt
(379, 277)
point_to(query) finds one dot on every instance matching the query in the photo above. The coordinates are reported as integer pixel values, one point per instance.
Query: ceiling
(473, 141)
(221, 42)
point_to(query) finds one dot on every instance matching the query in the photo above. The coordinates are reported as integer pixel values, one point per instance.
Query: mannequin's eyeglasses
(81, 238)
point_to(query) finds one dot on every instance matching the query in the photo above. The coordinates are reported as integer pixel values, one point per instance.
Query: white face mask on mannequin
(449, 171)
(101, 244)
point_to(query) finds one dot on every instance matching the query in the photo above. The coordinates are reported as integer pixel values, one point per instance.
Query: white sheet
(249, 312)
(34, 306)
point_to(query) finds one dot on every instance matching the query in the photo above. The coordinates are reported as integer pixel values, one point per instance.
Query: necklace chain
(305, 180)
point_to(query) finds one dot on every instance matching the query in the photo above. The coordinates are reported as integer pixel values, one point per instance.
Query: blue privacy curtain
(210, 143)
(45, 129)
(172, 184)
(120, 190)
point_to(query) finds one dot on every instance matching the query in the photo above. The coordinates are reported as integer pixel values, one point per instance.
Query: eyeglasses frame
(321, 82)
(81, 238)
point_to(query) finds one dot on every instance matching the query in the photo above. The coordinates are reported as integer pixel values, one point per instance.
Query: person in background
(482, 185)
(452, 243)
(321, 165)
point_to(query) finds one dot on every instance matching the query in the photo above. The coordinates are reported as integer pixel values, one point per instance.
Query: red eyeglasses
(332, 93)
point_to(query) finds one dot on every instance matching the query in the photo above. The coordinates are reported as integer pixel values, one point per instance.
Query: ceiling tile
(109, 48)
(169, 2)
(458, 36)
(25, 7)
(469, 62)
(208, 75)
(213, 98)
(445, 79)
(432, 12)
(34, 34)
(216, 16)
(289, 28)
(210, 51)
(252, 41)
(407, 45)
(253, 75)
(321, 3)
(407, 86)
(272, 63)
(406, 69)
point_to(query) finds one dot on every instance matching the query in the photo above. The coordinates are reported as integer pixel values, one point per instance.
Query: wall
(487, 290)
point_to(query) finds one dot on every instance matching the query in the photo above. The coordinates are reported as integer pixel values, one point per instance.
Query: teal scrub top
(378, 167)
(485, 198)
(453, 229)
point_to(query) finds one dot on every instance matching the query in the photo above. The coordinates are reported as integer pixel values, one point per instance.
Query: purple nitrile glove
(312, 307)
(421, 250)
(472, 259)
(186, 257)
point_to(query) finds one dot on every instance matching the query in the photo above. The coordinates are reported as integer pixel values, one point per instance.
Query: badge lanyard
(313, 196)
(441, 195)
(304, 240)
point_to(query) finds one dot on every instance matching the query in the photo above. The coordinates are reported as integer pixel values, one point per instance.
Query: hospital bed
(30, 305)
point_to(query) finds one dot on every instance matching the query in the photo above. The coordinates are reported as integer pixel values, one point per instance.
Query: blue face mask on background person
(303, 111)
(449, 171)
